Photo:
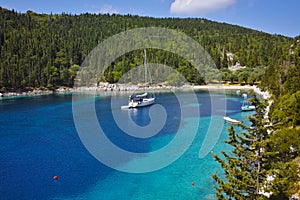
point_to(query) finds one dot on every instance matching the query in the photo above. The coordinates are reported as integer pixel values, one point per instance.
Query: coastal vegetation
(284, 143)
(245, 166)
(264, 162)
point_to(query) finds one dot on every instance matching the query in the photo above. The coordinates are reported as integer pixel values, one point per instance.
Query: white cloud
(108, 9)
(198, 7)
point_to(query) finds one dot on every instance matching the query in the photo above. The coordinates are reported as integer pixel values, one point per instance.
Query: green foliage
(286, 110)
(286, 181)
(285, 144)
(283, 76)
(250, 76)
(175, 79)
(213, 76)
(226, 75)
(292, 83)
(243, 76)
(38, 50)
(284, 150)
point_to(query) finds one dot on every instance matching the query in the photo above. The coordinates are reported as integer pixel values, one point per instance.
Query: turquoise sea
(39, 140)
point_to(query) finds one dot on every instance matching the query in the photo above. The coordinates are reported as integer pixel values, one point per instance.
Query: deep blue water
(38, 140)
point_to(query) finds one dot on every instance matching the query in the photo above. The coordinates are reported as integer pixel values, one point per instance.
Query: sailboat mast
(145, 65)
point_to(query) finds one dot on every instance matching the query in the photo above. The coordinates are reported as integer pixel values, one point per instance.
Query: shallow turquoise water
(38, 140)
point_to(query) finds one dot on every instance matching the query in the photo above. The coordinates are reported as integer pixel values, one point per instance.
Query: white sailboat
(142, 99)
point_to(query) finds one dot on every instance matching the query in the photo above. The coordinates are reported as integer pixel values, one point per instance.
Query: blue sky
(271, 16)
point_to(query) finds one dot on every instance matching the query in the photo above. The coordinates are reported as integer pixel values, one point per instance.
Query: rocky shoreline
(106, 87)
(27, 93)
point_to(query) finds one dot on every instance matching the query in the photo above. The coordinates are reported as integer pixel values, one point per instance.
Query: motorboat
(231, 120)
(247, 106)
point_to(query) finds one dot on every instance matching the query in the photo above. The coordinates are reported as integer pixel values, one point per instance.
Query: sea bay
(38, 140)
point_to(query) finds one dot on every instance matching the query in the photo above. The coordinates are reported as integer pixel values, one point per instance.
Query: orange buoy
(55, 177)
(193, 184)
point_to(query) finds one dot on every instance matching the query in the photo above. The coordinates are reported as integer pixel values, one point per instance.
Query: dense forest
(46, 50)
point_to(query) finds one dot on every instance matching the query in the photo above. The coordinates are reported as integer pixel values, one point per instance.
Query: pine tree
(245, 166)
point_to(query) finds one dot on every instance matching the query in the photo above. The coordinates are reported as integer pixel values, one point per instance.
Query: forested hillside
(285, 116)
(46, 50)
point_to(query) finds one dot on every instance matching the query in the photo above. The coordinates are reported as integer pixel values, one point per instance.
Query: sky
(271, 16)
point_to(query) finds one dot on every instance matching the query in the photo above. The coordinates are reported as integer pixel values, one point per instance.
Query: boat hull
(248, 108)
(230, 120)
(144, 103)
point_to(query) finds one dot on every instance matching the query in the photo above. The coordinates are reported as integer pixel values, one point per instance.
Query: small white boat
(231, 120)
(247, 106)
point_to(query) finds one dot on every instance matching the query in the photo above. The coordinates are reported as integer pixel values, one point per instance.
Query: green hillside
(45, 50)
